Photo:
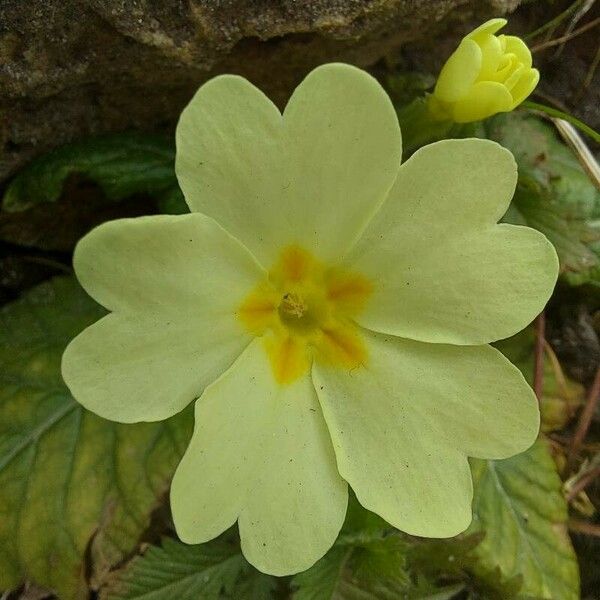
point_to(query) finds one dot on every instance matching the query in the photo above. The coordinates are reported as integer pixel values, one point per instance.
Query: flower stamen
(293, 305)
(305, 311)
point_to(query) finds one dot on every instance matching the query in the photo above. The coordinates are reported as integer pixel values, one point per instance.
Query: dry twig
(565, 38)
(582, 483)
(585, 419)
(584, 527)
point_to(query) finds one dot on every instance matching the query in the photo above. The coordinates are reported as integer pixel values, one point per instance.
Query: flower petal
(491, 53)
(131, 368)
(183, 265)
(170, 279)
(403, 425)
(344, 150)
(459, 73)
(524, 86)
(261, 453)
(313, 176)
(442, 270)
(519, 48)
(485, 98)
(490, 27)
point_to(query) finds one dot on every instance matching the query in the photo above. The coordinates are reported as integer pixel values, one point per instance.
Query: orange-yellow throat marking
(304, 311)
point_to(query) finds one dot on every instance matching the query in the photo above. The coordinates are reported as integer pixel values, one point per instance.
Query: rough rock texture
(73, 67)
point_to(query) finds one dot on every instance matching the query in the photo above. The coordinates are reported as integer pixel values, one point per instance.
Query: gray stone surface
(74, 67)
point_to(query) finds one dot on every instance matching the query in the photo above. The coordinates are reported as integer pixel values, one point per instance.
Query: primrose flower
(486, 74)
(330, 308)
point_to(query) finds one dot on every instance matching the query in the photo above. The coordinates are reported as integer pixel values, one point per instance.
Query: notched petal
(402, 427)
(261, 454)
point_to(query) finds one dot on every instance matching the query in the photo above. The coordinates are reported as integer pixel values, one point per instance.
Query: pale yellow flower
(486, 74)
(329, 308)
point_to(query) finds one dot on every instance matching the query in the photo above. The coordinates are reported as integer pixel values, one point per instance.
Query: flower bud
(485, 75)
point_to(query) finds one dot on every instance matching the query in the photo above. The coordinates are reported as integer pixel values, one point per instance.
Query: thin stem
(592, 70)
(582, 483)
(565, 38)
(559, 114)
(585, 418)
(551, 100)
(555, 22)
(538, 365)
(584, 527)
(579, 14)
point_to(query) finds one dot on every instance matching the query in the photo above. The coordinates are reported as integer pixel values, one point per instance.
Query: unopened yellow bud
(485, 75)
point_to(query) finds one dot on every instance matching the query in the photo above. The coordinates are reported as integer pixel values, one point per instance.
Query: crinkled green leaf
(121, 164)
(451, 557)
(322, 581)
(332, 578)
(554, 194)
(519, 505)
(373, 570)
(370, 562)
(178, 571)
(367, 562)
(71, 483)
(455, 559)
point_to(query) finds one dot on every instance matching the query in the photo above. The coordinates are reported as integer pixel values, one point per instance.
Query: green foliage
(122, 165)
(372, 561)
(374, 569)
(566, 116)
(322, 580)
(203, 572)
(554, 194)
(419, 128)
(70, 482)
(369, 558)
(519, 505)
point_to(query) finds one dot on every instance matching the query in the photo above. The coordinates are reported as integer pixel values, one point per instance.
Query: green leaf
(372, 561)
(202, 572)
(71, 484)
(451, 557)
(367, 562)
(322, 581)
(357, 574)
(172, 202)
(519, 505)
(419, 127)
(374, 570)
(121, 164)
(554, 194)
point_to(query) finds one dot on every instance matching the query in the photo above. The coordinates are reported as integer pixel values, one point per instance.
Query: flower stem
(554, 112)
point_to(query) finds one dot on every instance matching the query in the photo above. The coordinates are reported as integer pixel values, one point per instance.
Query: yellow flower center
(304, 311)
